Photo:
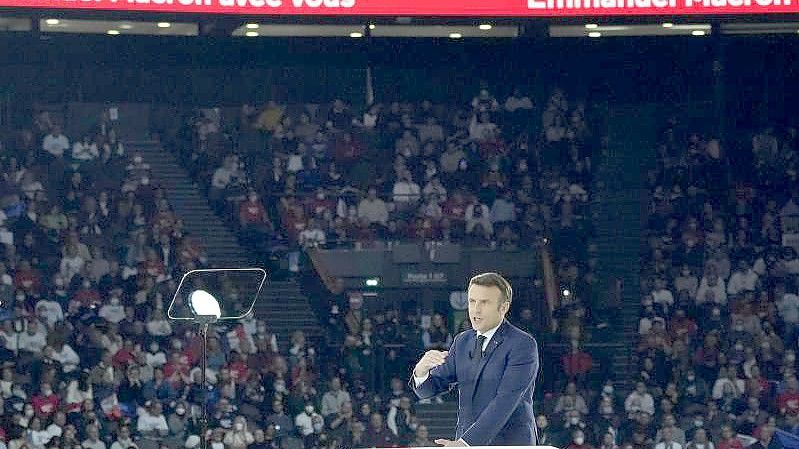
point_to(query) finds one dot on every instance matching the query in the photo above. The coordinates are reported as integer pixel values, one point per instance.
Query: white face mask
(137, 160)
(579, 441)
(309, 409)
(239, 426)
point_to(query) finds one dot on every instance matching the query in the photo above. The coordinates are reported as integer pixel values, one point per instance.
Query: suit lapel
(496, 340)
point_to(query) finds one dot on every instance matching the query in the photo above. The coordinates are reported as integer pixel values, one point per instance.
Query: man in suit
(494, 364)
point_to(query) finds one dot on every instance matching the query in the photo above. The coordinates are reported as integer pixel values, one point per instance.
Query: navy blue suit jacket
(495, 393)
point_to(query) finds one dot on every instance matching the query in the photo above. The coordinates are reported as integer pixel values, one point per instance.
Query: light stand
(206, 312)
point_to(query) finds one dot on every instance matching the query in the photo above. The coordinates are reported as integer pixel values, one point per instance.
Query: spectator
(55, 143)
(239, 437)
(378, 434)
(639, 400)
(373, 209)
(334, 398)
(304, 422)
(571, 400)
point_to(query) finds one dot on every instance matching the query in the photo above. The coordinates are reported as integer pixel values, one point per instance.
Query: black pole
(204, 418)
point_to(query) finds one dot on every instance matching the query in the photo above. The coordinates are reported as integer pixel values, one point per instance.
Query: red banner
(463, 8)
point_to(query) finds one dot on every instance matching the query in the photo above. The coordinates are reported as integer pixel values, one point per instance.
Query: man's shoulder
(518, 334)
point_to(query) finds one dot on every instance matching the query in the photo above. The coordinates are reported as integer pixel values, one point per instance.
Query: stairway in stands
(618, 219)
(282, 304)
(440, 419)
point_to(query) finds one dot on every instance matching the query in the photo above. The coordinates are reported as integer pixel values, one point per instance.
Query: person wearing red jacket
(577, 363)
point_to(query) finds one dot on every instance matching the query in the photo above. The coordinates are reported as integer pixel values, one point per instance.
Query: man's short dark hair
(494, 280)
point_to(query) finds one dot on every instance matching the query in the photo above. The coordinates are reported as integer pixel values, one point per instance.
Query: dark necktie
(478, 346)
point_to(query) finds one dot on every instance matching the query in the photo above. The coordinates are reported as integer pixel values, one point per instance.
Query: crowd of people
(717, 346)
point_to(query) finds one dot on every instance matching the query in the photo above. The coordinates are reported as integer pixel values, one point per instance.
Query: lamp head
(203, 304)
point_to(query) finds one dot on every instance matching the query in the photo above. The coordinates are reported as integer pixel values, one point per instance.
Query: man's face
(485, 309)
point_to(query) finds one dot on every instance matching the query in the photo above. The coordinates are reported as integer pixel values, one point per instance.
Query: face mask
(180, 411)
(59, 282)
(217, 445)
(607, 389)
(607, 410)
(137, 160)
(28, 413)
(154, 348)
(698, 423)
(47, 392)
(691, 378)
(239, 426)
(739, 328)
(579, 441)
(114, 301)
(574, 420)
(177, 345)
(309, 409)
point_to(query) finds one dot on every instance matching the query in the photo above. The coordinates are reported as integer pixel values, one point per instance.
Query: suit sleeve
(520, 373)
(440, 377)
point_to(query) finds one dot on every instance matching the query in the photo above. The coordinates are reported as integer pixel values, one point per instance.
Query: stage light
(251, 34)
(595, 34)
(372, 26)
(373, 282)
(566, 292)
(112, 32)
(164, 24)
(591, 26)
(203, 304)
(455, 35)
(52, 21)
(698, 33)
(667, 25)
(356, 35)
(126, 26)
(252, 26)
(485, 26)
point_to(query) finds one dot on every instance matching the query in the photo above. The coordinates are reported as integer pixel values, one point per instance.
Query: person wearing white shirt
(478, 213)
(124, 441)
(406, 191)
(313, 236)
(55, 143)
(639, 401)
(85, 150)
(71, 264)
(155, 357)
(668, 440)
(34, 339)
(503, 209)
(518, 101)
(50, 311)
(113, 311)
(662, 295)
(711, 290)
(66, 356)
(152, 423)
(38, 437)
(727, 386)
(304, 421)
(332, 400)
(159, 326)
(373, 209)
(743, 279)
(93, 440)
